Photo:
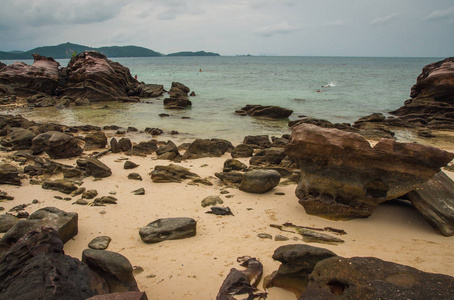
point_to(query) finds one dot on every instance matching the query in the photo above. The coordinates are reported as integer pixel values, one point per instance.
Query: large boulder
(21, 138)
(36, 267)
(343, 177)
(432, 97)
(92, 76)
(259, 181)
(95, 140)
(435, 201)
(23, 80)
(168, 229)
(96, 168)
(56, 144)
(373, 278)
(178, 97)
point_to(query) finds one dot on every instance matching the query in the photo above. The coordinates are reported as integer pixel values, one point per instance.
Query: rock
(230, 178)
(9, 174)
(151, 90)
(259, 181)
(207, 148)
(242, 150)
(56, 145)
(168, 229)
(343, 177)
(121, 296)
(78, 192)
(211, 201)
(204, 181)
(23, 80)
(95, 140)
(372, 278)
(7, 221)
(89, 194)
(41, 100)
(431, 102)
(96, 168)
(125, 144)
(435, 201)
(234, 165)
(280, 238)
(257, 141)
(297, 262)
(92, 76)
(272, 112)
(154, 131)
(129, 165)
(220, 211)
(135, 176)
(144, 148)
(168, 151)
(171, 173)
(21, 138)
(62, 185)
(64, 223)
(268, 157)
(113, 267)
(37, 268)
(265, 236)
(105, 200)
(100, 243)
(140, 191)
(310, 236)
(114, 146)
(178, 97)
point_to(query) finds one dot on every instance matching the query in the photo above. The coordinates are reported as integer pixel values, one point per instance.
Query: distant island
(67, 50)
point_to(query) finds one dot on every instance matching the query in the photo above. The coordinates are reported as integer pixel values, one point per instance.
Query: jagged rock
(259, 181)
(125, 144)
(178, 97)
(63, 222)
(233, 165)
(113, 267)
(9, 174)
(257, 141)
(151, 90)
(168, 229)
(169, 149)
(100, 243)
(114, 146)
(62, 185)
(343, 177)
(56, 145)
(21, 79)
(95, 140)
(154, 131)
(41, 100)
(435, 201)
(211, 200)
(7, 221)
(432, 101)
(268, 157)
(242, 150)
(36, 268)
(92, 76)
(171, 173)
(272, 112)
(140, 191)
(135, 176)
(207, 148)
(144, 148)
(96, 168)
(373, 278)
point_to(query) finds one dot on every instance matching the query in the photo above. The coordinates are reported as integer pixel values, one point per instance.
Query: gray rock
(95, 140)
(125, 144)
(22, 138)
(265, 236)
(144, 148)
(207, 148)
(211, 200)
(233, 165)
(230, 178)
(9, 174)
(171, 173)
(259, 181)
(100, 243)
(135, 176)
(114, 146)
(56, 144)
(113, 267)
(267, 157)
(168, 229)
(242, 150)
(169, 147)
(435, 201)
(257, 141)
(62, 185)
(129, 165)
(7, 221)
(310, 236)
(96, 168)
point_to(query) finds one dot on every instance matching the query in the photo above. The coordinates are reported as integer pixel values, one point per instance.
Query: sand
(195, 268)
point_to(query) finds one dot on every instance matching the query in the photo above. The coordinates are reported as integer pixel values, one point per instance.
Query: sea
(338, 89)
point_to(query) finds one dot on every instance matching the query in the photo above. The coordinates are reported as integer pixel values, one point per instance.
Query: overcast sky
(232, 27)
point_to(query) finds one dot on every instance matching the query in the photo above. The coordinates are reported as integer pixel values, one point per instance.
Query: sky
(413, 28)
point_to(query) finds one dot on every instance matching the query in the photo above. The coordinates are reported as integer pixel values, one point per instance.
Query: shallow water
(355, 87)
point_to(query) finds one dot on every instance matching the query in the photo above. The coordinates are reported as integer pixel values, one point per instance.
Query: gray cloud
(440, 14)
(384, 20)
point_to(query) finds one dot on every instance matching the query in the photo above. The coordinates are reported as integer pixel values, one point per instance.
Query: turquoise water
(358, 86)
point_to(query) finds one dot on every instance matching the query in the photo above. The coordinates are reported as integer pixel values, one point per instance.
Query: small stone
(129, 165)
(280, 238)
(279, 193)
(78, 191)
(100, 243)
(58, 197)
(140, 191)
(80, 202)
(265, 236)
(137, 270)
(211, 200)
(135, 176)
(89, 194)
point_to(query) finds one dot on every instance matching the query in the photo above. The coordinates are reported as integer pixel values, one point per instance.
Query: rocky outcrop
(343, 177)
(432, 97)
(92, 76)
(272, 112)
(178, 97)
(23, 80)
(168, 229)
(435, 201)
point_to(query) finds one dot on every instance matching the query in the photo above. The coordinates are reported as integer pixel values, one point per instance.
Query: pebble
(265, 236)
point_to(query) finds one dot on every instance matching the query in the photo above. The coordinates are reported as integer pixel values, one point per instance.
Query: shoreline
(194, 268)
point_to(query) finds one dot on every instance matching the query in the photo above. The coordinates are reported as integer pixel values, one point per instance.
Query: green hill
(67, 49)
(189, 53)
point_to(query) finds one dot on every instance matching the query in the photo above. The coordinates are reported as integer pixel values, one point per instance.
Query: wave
(331, 84)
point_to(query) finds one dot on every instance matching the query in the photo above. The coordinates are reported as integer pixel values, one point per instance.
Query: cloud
(384, 20)
(337, 23)
(281, 28)
(440, 14)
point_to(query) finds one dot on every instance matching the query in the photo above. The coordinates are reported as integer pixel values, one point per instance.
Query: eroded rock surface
(168, 229)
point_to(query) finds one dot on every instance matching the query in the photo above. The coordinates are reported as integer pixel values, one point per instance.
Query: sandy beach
(194, 268)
